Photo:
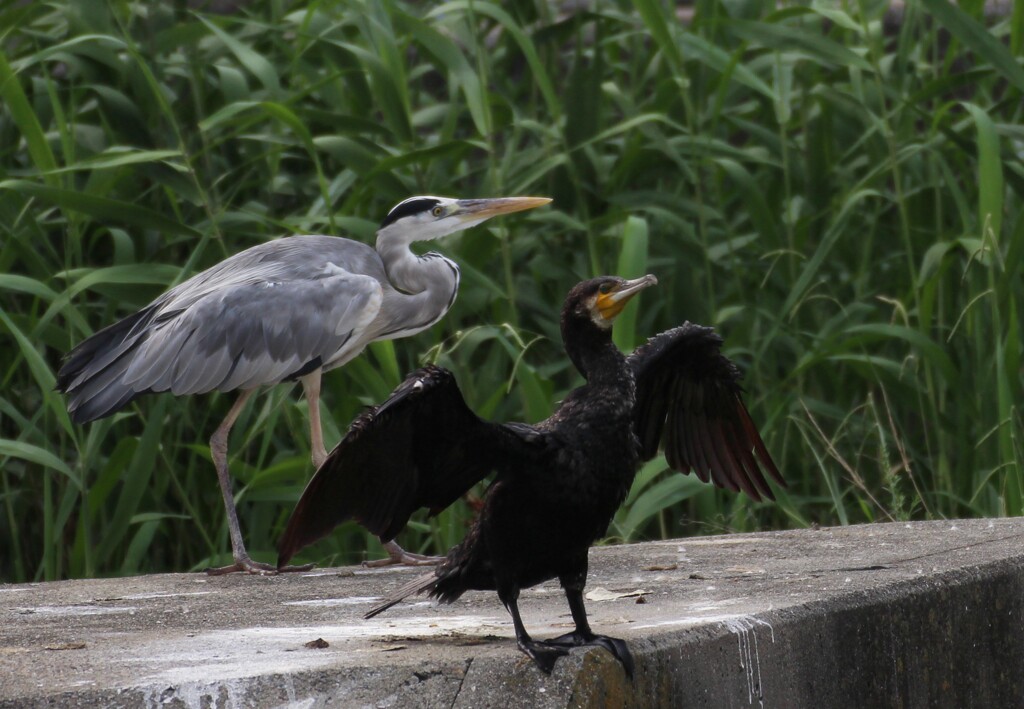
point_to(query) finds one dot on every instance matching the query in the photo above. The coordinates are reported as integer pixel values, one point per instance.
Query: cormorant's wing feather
(422, 447)
(688, 400)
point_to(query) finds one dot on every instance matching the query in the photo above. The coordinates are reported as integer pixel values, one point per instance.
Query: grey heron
(289, 309)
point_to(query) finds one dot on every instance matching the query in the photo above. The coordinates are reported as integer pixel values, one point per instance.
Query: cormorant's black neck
(591, 349)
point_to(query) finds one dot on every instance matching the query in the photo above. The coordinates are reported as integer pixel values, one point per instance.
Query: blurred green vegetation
(838, 193)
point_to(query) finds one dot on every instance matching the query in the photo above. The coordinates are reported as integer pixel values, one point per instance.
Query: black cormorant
(558, 482)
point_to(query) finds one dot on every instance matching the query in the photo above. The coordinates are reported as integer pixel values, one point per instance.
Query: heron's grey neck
(411, 273)
(431, 281)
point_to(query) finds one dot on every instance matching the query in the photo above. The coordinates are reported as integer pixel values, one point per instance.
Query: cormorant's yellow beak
(610, 304)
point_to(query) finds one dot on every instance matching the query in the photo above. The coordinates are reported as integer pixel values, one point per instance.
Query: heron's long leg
(219, 453)
(396, 554)
(311, 387)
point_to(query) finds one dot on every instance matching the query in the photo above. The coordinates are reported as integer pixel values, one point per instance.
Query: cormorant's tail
(446, 584)
(420, 584)
(92, 373)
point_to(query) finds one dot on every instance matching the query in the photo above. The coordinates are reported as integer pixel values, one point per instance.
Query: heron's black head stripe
(413, 205)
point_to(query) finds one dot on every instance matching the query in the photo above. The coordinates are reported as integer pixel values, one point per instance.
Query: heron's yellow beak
(610, 304)
(480, 209)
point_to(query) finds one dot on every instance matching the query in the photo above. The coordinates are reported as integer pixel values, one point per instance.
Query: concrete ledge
(919, 614)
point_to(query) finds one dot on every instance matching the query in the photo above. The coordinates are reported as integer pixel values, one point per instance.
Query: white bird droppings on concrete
(77, 610)
(147, 596)
(745, 628)
(327, 602)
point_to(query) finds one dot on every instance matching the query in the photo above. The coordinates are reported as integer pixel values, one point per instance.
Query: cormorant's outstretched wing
(422, 447)
(688, 399)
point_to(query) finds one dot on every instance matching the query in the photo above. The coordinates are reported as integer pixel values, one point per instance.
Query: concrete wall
(899, 615)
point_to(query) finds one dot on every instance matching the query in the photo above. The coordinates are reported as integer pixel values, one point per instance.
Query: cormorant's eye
(605, 288)
(437, 211)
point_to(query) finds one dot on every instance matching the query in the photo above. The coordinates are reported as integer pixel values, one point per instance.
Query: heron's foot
(398, 555)
(246, 565)
(543, 654)
(293, 569)
(616, 647)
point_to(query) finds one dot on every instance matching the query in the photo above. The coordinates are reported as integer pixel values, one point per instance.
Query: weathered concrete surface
(914, 615)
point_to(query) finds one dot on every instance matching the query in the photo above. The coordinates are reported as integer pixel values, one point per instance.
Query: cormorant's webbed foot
(543, 654)
(398, 555)
(615, 646)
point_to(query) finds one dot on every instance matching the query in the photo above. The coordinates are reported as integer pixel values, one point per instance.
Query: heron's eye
(437, 211)
(605, 288)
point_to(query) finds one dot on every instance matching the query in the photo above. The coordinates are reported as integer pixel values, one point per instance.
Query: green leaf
(144, 517)
(37, 365)
(721, 61)
(24, 284)
(136, 481)
(25, 118)
(809, 42)
(257, 65)
(990, 174)
(35, 454)
(538, 71)
(663, 494)
(139, 547)
(929, 349)
(761, 216)
(102, 208)
(384, 352)
(657, 22)
(119, 156)
(158, 274)
(977, 38)
(451, 57)
(813, 266)
(632, 264)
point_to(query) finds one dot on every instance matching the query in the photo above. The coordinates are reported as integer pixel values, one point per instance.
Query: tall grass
(839, 195)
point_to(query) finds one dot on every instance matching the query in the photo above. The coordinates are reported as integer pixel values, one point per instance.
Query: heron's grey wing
(235, 310)
(422, 447)
(688, 399)
(289, 259)
(254, 333)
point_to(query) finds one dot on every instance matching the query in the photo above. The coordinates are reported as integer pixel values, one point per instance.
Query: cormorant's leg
(219, 453)
(583, 635)
(543, 654)
(398, 555)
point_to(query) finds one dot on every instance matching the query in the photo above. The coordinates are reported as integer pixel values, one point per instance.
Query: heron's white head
(425, 217)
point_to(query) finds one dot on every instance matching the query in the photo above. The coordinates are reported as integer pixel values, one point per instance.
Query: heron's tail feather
(92, 373)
